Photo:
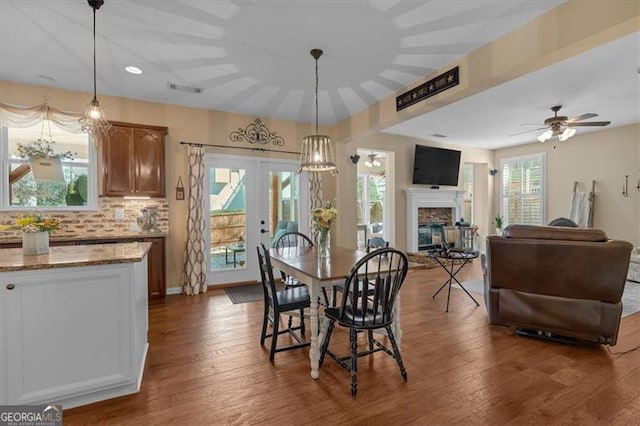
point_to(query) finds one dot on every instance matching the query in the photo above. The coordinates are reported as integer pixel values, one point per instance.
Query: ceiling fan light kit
(563, 126)
(372, 161)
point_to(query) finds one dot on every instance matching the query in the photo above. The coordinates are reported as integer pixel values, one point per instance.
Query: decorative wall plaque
(258, 133)
(432, 87)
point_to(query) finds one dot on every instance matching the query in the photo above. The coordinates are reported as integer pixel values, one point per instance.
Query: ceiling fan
(562, 126)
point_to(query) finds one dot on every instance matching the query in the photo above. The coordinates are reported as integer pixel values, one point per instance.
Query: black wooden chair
(376, 243)
(362, 309)
(296, 239)
(277, 302)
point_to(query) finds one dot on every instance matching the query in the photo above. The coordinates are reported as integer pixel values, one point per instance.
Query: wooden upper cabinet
(133, 161)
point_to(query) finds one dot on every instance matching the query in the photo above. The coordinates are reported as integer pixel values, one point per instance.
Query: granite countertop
(68, 256)
(15, 237)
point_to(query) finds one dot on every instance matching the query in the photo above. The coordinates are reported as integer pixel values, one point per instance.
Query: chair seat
(293, 298)
(350, 318)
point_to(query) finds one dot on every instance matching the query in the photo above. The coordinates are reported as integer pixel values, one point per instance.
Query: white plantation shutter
(523, 190)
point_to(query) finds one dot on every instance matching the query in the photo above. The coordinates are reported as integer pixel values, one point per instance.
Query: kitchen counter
(15, 237)
(77, 255)
(73, 323)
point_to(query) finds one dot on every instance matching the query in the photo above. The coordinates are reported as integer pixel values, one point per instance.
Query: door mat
(245, 293)
(630, 296)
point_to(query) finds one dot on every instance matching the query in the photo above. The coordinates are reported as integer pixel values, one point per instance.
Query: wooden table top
(305, 260)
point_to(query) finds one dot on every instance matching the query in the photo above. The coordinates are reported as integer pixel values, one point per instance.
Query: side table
(463, 257)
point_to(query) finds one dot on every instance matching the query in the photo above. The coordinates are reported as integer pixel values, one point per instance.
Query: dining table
(304, 264)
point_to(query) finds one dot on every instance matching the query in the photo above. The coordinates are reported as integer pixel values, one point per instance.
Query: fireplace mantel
(429, 198)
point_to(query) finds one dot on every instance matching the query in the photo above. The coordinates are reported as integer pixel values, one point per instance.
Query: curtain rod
(239, 147)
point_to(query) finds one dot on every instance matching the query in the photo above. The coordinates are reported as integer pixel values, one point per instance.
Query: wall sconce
(180, 189)
(355, 158)
(493, 172)
(625, 187)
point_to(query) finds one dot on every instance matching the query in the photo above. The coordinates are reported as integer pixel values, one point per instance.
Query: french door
(248, 201)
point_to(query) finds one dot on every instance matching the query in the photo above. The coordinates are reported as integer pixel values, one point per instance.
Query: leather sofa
(556, 280)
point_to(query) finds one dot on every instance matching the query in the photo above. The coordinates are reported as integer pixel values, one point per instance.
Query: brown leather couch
(559, 280)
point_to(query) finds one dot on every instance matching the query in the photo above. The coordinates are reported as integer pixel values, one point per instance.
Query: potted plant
(35, 232)
(497, 221)
(46, 163)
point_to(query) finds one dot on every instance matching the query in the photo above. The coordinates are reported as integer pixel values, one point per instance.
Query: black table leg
(452, 277)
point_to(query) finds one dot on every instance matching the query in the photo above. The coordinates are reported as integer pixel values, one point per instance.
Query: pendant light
(94, 121)
(316, 153)
(372, 161)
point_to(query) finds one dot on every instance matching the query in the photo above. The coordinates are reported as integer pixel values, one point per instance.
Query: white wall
(605, 156)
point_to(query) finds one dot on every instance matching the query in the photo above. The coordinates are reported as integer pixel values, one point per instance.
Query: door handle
(11, 286)
(264, 231)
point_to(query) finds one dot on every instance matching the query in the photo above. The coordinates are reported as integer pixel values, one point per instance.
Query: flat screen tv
(436, 166)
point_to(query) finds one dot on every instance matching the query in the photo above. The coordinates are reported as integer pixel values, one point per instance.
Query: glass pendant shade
(94, 122)
(317, 155)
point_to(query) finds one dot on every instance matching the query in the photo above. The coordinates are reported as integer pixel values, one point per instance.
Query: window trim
(92, 181)
(542, 157)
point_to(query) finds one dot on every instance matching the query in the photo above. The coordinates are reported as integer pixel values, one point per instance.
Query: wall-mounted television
(436, 166)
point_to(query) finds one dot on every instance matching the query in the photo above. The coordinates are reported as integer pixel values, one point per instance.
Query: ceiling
(252, 57)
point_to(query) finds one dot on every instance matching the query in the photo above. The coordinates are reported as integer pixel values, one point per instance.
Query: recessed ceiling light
(133, 70)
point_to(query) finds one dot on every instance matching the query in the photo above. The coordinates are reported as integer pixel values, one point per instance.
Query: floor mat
(245, 293)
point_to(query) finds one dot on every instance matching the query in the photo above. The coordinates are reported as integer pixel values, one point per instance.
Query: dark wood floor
(205, 366)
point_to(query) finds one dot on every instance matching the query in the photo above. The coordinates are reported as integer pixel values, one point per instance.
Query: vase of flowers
(323, 218)
(35, 233)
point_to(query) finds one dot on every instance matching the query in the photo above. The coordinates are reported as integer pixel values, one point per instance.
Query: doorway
(250, 201)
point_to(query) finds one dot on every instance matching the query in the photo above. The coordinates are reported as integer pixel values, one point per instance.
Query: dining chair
(277, 302)
(376, 243)
(296, 239)
(364, 310)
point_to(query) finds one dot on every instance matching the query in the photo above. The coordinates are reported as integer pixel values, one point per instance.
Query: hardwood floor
(206, 366)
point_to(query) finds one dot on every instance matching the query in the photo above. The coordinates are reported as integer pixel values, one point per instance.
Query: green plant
(498, 221)
(77, 192)
(42, 148)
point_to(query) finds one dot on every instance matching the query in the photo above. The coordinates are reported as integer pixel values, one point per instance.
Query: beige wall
(185, 124)
(605, 156)
(403, 149)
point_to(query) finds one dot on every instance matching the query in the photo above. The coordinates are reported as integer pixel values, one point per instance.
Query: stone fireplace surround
(418, 198)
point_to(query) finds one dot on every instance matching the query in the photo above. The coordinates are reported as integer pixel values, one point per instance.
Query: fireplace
(428, 211)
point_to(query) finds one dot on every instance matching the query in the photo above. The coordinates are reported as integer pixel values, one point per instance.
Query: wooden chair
(277, 302)
(295, 239)
(362, 309)
(376, 243)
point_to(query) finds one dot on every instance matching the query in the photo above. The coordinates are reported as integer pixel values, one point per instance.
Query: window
(370, 198)
(523, 190)
(21, 191)
(467, 185)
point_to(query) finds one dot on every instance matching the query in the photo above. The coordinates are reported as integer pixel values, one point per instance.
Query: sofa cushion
(532, 232)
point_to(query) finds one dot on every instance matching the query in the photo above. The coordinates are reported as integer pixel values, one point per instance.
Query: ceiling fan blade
(527, 131)
(592, 123)
(582, 117)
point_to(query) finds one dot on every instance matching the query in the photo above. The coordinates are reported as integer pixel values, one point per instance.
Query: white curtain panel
(194, 279)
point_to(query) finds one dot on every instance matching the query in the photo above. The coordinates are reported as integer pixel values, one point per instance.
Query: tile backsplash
(102, 222)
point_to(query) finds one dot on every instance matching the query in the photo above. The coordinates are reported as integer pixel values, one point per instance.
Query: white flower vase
(35, 243)
(324, 244)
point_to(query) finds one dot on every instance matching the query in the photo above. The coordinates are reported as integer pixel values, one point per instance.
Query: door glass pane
(284, 203)
(227, 202)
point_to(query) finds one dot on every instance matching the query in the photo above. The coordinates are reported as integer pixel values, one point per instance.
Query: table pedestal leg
(314, 351)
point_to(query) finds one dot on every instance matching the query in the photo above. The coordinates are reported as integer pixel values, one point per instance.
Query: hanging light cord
(94, 54)
(316, 96)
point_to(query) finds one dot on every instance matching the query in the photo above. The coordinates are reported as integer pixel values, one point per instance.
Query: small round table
(452, 255)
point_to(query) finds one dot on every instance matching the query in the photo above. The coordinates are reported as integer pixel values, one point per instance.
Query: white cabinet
(73, 335)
